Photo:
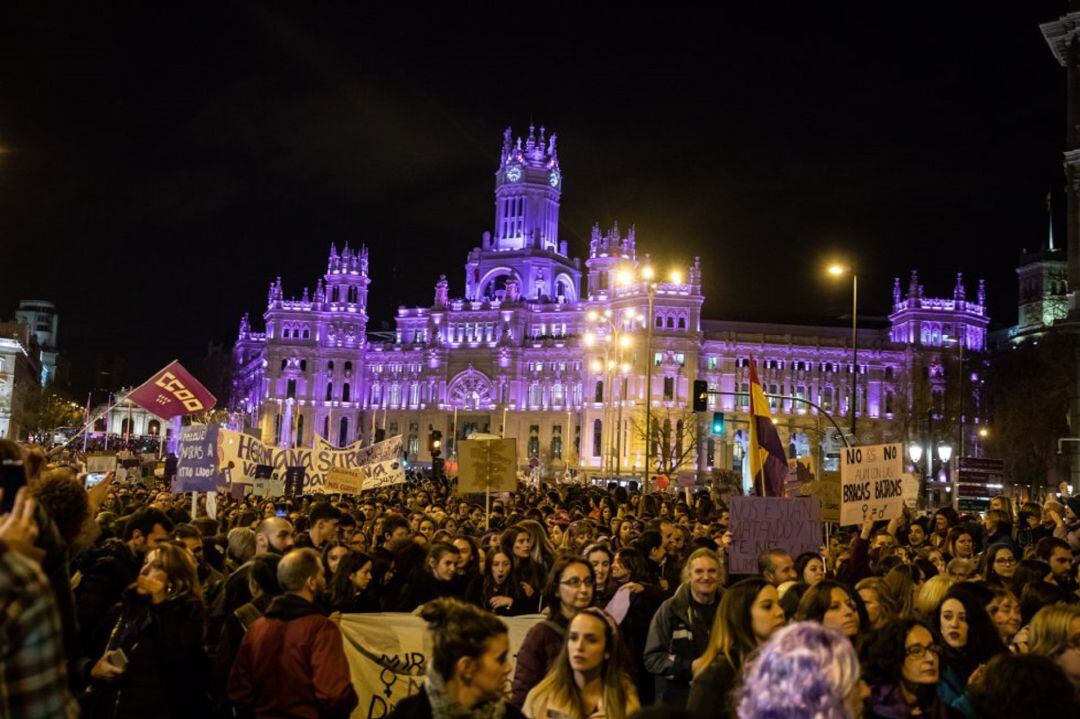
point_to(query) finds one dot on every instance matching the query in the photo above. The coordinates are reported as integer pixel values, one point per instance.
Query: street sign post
(976, 479)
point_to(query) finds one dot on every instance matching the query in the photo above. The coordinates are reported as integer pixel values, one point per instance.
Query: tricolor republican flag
(768, 462)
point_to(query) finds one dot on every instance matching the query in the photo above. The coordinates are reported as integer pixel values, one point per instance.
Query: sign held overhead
(871, 483)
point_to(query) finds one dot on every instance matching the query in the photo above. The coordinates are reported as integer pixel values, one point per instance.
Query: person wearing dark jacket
(152, 663)
(902, 666)
(470, 662)
(111, 567)
(435, 579)
(291, 661)
(569, 590)
(749, 613)
(264, 587)
(679, 632)
(498, 589)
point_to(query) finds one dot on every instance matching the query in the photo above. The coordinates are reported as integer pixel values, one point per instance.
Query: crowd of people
(126, 600)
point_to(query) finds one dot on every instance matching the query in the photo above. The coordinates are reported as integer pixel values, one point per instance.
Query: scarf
(443, 706)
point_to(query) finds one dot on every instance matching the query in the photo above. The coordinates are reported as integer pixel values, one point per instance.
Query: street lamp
(915, 451)
(944, 453)
(615, 341)
(838, 270)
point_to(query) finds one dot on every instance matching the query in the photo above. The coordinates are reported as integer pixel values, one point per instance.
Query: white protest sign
(268, 487)
(871, 483)
(389, 653)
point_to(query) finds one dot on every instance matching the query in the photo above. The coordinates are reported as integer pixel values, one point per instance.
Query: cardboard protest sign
(759, 523)
(196, 466)
(267, 487)
(389, 653)
(871, 483)
(487, 465)
(100, 462)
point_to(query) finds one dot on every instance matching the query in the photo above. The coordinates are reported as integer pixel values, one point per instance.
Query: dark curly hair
(882, 651)
(66, 502)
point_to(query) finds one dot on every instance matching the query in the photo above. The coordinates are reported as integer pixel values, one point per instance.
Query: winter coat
(511, 588)
(678, 635)
(710, 692)
(634, 630)
(106, 570)
(886, 701)
(421, 588)
(167, 672)
(418, 706)
(539, 649)
(291, 663)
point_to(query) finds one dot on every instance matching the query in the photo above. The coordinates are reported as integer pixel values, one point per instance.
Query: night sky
(159, 169)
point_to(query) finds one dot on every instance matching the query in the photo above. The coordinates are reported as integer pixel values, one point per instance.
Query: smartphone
(117, 658)
(281, 510)
(94, 478)
(12, 479)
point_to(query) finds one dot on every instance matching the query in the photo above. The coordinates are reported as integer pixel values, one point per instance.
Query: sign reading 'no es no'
(871, 483)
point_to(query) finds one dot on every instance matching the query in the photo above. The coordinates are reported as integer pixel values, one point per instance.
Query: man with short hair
(1057, 554)
(109, 568)
(291, 661)
(776, 566)
(325, 518)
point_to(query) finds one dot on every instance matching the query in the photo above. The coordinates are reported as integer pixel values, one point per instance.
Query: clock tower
(525, 244)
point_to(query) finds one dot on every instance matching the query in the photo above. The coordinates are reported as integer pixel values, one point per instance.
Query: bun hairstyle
(458, 630)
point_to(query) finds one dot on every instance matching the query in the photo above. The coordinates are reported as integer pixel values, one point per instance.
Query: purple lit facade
(518, 354)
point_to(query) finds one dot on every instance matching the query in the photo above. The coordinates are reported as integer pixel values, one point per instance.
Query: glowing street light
(590, 339)
(676, 277)
(983, 432)
(647, 272)
(625, 341)
(624, 276)
(597, 366)
(915, 451)
(838, 270)
(591, 315)
(944, 453)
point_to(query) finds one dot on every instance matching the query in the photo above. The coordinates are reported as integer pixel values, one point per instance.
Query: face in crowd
(704, 578)
(575, 589)
(954, 624)
(601, 567)
(766, 614)
(921, 664)
(841, 614)
(586, 644)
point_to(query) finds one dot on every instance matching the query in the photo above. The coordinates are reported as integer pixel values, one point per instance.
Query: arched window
(330, 366)
(682, 323)
(345, 392)
(326, 427)
(329, 391)
(343, 431)
(599, 395)
(298, 440)
(597, 436)
(671, 323)
(153, 428)
(127, 427)
(277, 429)
(659, 321)
(348, 368)
(334, 294)
(290, 391)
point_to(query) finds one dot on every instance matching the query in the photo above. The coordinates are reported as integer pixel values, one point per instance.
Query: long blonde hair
(558, 687)
(930, 595)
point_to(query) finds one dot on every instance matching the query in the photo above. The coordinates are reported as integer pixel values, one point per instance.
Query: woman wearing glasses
(901, 663)
(998, 565)
(569, 590)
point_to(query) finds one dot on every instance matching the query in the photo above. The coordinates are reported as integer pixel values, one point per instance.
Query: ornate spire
(982, 293)
(442, 292)
(913, 287)
(958, 291)
(245, 326)
(320, 292)
(895, 292)
(695, 272)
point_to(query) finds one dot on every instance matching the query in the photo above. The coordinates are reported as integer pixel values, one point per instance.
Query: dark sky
(159, 168)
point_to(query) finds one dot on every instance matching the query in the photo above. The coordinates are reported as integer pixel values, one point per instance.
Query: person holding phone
(152, 662)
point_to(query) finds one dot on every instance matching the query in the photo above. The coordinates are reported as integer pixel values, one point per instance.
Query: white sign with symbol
(871, 483)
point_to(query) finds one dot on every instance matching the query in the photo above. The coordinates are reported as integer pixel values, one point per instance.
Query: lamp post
(837, 270)
(615, 341)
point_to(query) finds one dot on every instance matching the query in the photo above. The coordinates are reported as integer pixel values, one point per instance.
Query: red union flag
(171, 392)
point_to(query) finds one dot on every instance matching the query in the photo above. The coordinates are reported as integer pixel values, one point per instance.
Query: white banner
(871, 483)
(239, 454)
(388, 656)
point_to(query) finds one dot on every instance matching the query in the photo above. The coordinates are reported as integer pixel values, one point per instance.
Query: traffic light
(435, 442)
(701, 395)
(717, 423)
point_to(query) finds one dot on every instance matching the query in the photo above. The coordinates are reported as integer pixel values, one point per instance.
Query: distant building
(20, 376)
(531, 350)
(41, 317)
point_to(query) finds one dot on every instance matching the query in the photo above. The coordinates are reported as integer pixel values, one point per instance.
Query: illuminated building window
(597, 436)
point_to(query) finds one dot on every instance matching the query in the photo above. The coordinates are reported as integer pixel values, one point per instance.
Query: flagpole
(86, 420)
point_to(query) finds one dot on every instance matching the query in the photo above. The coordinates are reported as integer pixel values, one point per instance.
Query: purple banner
(197, 467)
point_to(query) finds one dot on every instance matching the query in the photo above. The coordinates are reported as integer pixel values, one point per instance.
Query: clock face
(554, 178)
(513, 173)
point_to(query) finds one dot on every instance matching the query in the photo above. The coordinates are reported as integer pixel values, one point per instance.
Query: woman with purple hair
(804, 671)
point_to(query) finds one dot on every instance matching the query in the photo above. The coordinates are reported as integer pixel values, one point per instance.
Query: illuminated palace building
(558, 353)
